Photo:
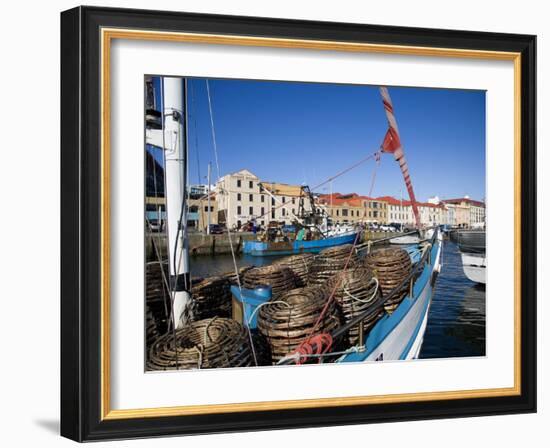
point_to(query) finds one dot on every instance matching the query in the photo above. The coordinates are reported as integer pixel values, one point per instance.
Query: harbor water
(456, 320)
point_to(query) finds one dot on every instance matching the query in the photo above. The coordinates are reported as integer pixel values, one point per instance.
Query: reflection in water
(456, 322)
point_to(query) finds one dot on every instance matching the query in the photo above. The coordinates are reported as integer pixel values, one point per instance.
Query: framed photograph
(277, 224)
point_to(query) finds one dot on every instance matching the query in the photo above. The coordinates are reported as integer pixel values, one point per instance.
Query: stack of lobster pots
(330, 262)
(211, 298)
(157, 297)
(356, 292)
(300, 265)
(391, 266)
(288, 320)
(207, 343)
(280, 278)
(237, 278)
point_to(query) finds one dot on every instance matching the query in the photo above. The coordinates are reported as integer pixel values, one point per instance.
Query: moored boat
(471, 244)
(266, 248)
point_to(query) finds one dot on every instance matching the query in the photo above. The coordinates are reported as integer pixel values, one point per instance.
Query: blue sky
(305, 132)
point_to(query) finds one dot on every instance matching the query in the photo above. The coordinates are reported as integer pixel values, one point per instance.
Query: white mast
(175, 144)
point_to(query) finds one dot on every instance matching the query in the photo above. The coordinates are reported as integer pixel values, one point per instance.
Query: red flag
(391, 141)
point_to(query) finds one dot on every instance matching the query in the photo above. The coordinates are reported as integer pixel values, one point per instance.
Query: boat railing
(358, 320)
(369, 243)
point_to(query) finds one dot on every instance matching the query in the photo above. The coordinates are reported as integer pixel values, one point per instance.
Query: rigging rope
(227, 227)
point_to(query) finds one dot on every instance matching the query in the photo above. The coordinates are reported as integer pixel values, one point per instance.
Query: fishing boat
(397, 334)
(397, 318)
(289, 247)
(315, 232)
(471, 244)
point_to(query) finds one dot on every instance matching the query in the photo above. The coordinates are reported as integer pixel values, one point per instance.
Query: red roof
(467, 200)
(355, 200)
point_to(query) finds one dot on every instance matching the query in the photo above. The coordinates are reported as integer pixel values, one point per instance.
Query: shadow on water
(456, 321)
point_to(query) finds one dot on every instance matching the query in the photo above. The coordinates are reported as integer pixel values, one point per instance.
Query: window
(238, 196)
(238, 210)
(239, 224)
(250, 210)
(284, 199)
(272, 201)
(375, 214)
(238, 183)
(293, 211)
(351, 213)
(262, 222)
(262, 211)
(272, 214)
(293, 201)
(250, 184)
(337, 212)
(284, 212)
(263, 198)
(251, 197)
(193, 209)
(344, 212)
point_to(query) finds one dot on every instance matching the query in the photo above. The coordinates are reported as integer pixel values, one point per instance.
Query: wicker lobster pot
(157, 297)
(330, 262)
(236, 279)
(391, 266)
(290, 319)
(205, 344)
(300, 265)
(356, 292)
(280, 278)
(211, 298)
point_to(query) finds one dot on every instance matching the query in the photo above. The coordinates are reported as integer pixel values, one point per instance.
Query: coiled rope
(356, 292)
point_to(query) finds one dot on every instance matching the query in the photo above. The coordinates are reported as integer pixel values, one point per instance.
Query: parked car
(216, 229)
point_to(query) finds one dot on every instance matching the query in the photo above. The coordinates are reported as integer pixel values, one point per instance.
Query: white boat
(474, 266)
(471, 244)
(413, 239)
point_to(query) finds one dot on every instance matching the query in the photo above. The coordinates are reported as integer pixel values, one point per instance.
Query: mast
(392, 145)
(175, 145)
(209, 174)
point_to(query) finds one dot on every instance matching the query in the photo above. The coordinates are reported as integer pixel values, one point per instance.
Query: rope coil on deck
(356, 292)
(300, 265)
(289, 320)
(208, 343)
(391, 266)
(331, 261)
